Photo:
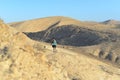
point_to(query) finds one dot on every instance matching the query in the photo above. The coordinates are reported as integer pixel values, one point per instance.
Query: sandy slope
(41, 24)
(81, 67)
(20, 59)
(24, 59)
(68, 31)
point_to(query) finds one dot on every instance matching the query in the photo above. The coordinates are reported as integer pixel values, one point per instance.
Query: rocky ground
(24, 59)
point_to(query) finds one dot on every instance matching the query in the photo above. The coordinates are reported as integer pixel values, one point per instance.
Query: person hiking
(54, 44)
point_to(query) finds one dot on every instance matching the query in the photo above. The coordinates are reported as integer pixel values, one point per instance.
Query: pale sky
(84, 10)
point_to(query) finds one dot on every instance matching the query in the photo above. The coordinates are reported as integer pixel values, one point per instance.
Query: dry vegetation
(72, 32)
(92, 38)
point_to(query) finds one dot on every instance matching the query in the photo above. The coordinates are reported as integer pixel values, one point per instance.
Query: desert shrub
(117, 60)
(101, 53)
(4, 53)
(109, 57)
(76, 79)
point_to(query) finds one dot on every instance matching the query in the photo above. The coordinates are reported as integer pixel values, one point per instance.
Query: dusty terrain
(100, 39)
(20, 58)
(41, 24)
(24, 59)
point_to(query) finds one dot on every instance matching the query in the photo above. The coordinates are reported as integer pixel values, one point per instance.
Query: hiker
(54, 45)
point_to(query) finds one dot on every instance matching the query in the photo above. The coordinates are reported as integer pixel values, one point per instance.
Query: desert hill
(111, 22)
(20, 59)
(68, 31)
(24, 59)
(105, 36)
(41, 24)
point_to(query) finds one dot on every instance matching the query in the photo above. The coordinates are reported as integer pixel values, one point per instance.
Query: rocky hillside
(24, 59)
(72, 32)
(111, 22)
(68, 31)
(73, 35)
(21, 60)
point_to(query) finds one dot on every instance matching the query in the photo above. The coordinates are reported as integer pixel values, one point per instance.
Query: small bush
(4, 54)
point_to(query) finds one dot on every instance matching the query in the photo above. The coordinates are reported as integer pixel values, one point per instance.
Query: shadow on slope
(73, 35)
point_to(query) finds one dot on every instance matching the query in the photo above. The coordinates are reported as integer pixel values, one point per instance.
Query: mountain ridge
(71, 32)
(40, 24)
(21, 59)
(111, 22)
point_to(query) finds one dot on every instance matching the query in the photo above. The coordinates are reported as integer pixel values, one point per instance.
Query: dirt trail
(81, 67)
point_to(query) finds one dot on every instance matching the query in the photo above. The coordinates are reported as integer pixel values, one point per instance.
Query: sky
(84, 10)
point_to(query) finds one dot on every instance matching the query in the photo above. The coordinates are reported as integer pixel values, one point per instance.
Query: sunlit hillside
(40, 24)
(25, 59)
(67, 31)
